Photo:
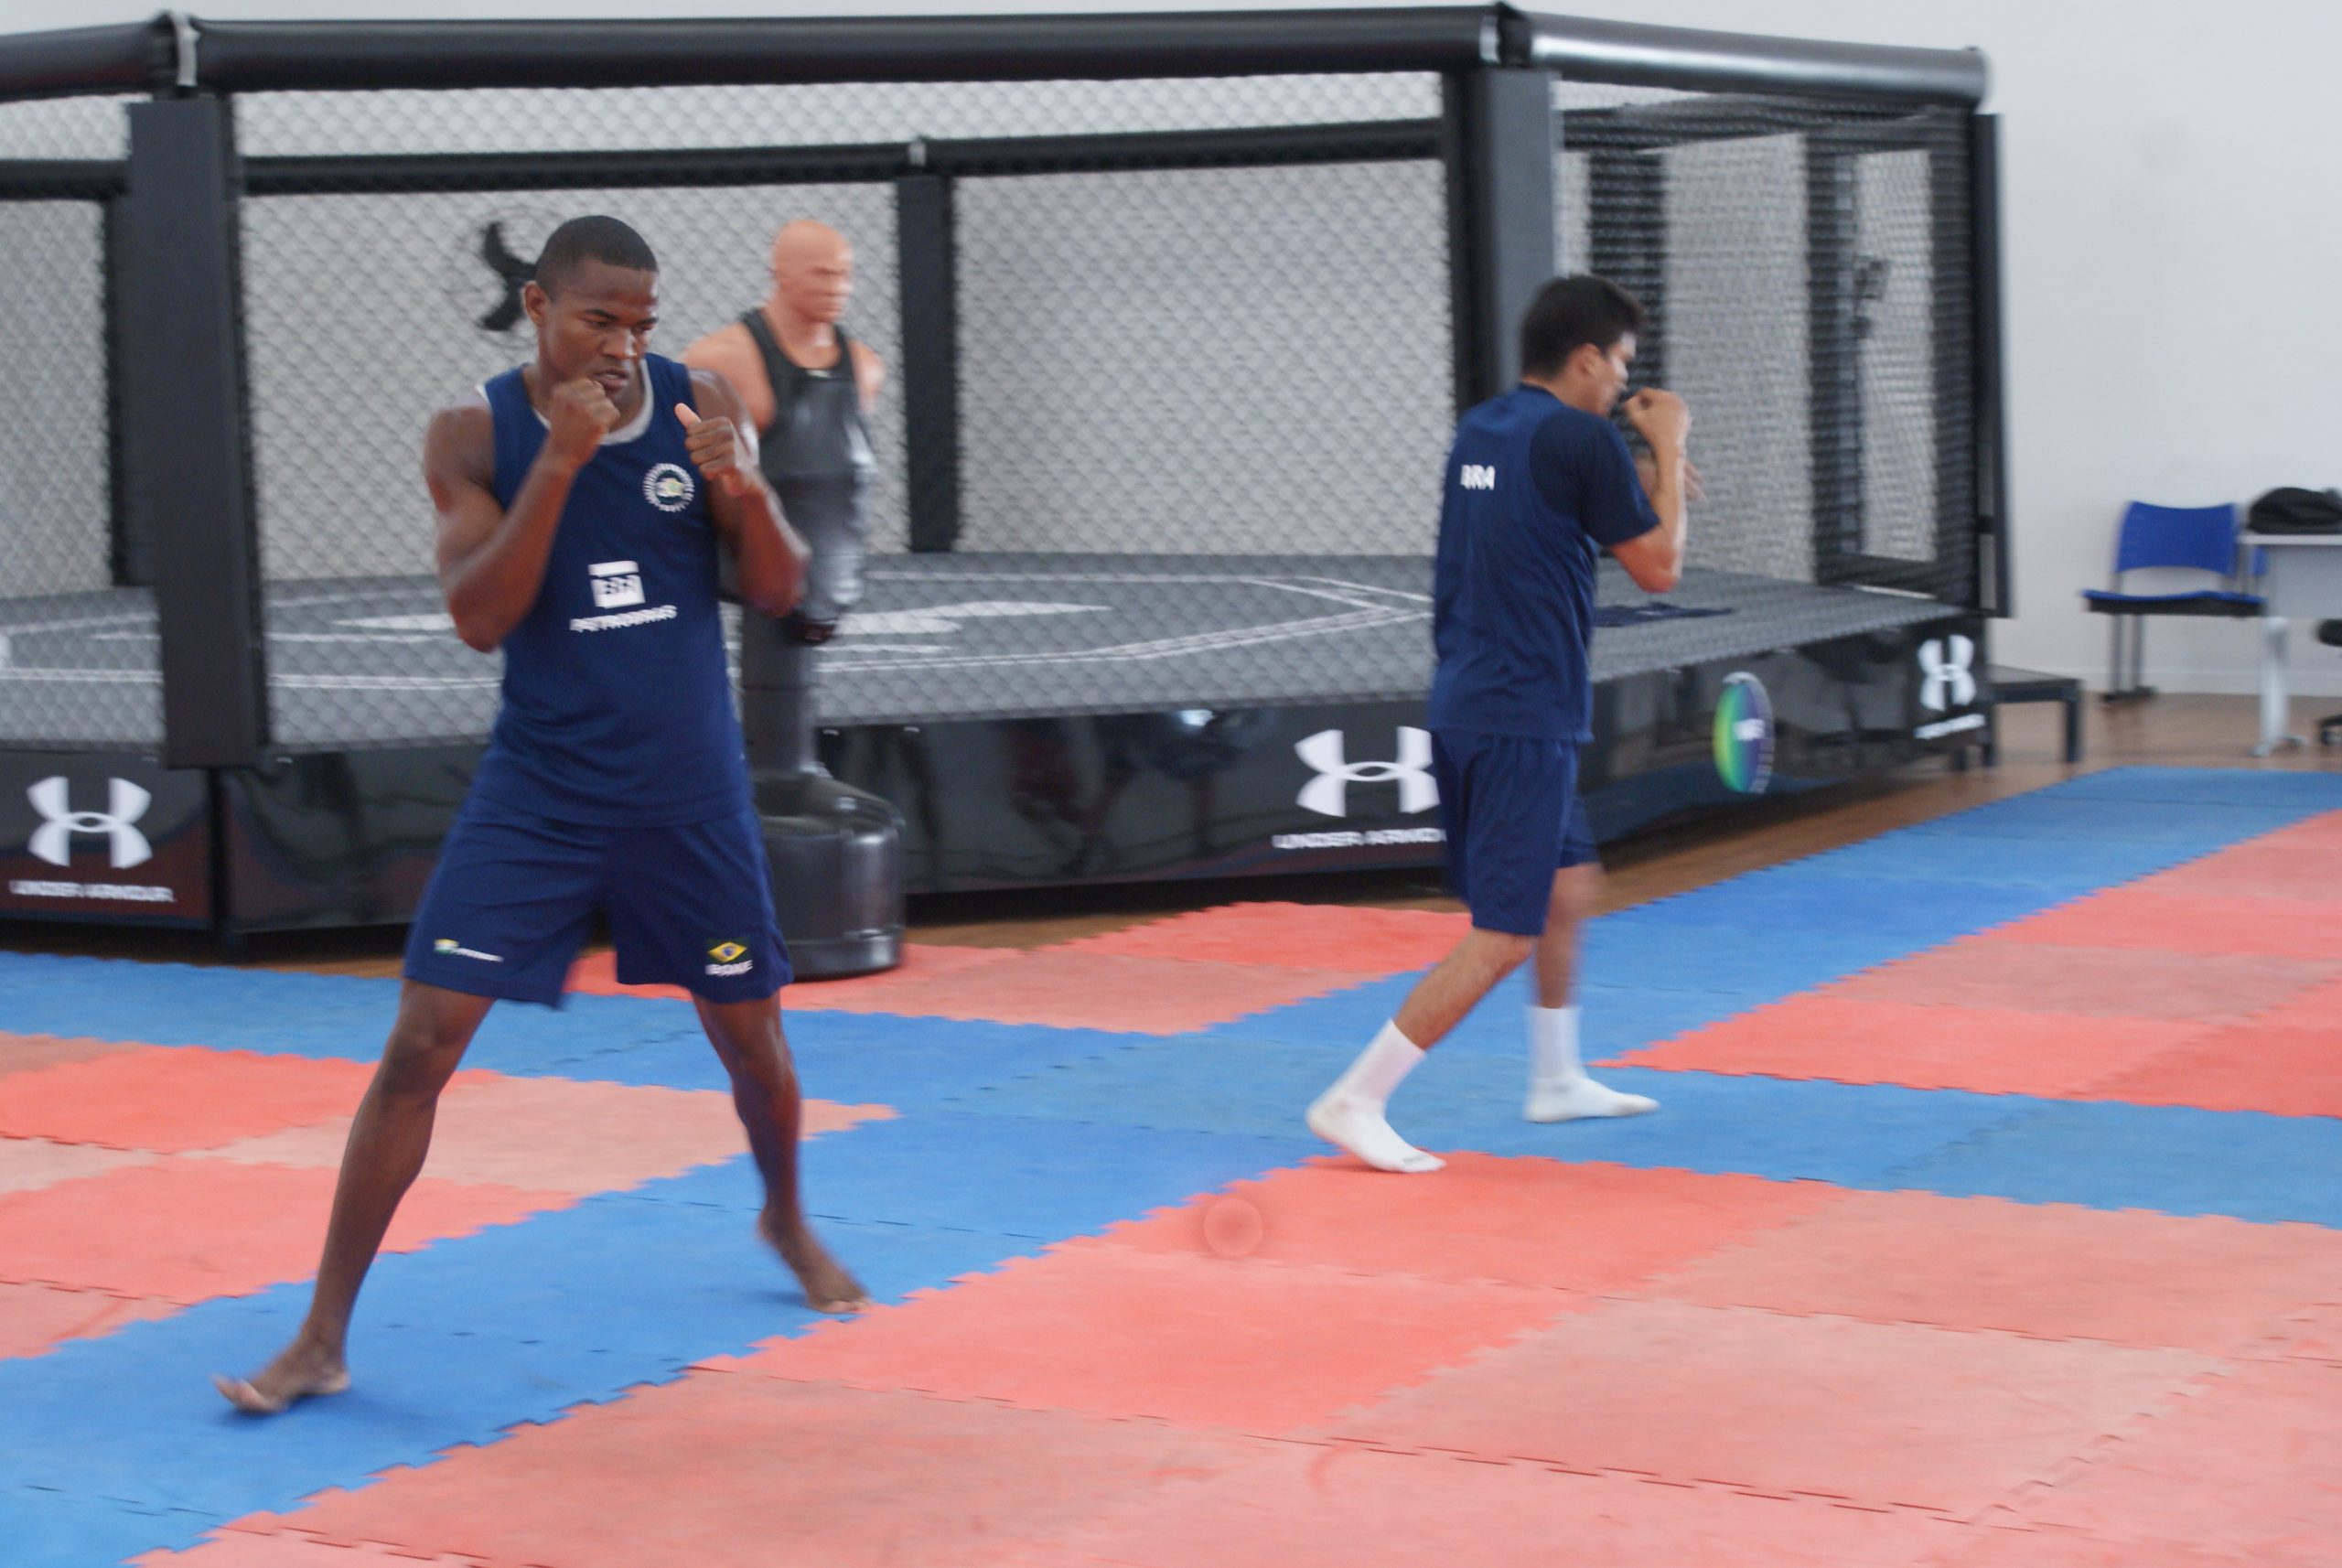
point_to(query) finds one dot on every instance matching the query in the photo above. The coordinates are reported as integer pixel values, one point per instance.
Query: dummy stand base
(836, 855)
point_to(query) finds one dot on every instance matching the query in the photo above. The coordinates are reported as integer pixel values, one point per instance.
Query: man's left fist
(715, 445)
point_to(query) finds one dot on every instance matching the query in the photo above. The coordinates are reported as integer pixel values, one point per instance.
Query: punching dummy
(808, 387)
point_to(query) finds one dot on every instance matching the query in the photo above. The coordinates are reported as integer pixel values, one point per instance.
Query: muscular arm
(1654, 559)
(491, 561)
(869, 375)
(732, 354)
(770, 555)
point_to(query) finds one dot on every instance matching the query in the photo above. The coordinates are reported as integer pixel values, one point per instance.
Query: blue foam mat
(2221, 786)
(2204, 825)
(2177, 1159)
(452, 1345)
(1017, 1135)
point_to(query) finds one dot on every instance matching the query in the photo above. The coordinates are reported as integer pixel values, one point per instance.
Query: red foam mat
(28, 1165)
(1879, 1413)
(719, 1471)
(1358, 1508)
(2054, 1271)
(186, 1229)
(1104, 1330)
(1092, 991)
(34, 1318)
(2254, 1066)
(1529, 1221)
(554, 1134)
(25, 1053)
(173, 1099)
(2144, 916)
(1300, 936)
(2252, 1465)
(1980, 972)
(1863, 1039)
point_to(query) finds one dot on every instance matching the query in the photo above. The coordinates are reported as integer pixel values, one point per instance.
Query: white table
(2302, 577)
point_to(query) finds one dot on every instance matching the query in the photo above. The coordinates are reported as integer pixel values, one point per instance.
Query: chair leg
(2073, 704)
(2114, 658)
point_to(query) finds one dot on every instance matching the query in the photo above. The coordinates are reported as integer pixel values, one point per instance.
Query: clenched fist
(1658, 417)
(580, 416)
(717, 446)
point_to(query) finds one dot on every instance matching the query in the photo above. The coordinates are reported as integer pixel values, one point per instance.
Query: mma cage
(1179, 311)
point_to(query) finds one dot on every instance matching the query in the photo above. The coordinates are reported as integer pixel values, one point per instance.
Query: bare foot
(302, 1370)
(828, 1287)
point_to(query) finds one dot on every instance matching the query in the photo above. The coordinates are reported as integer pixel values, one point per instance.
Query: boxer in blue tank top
(1539, 484)
(584, 500)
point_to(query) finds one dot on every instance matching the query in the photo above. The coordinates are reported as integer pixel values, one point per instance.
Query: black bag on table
(2290, 509)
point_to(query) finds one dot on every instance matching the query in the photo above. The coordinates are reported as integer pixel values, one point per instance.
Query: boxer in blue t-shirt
(584, 500)
(1539, 483)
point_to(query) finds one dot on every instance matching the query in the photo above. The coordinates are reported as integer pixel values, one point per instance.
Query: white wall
(2173, 222)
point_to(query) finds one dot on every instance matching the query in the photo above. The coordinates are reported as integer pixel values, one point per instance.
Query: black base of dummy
(836, 856)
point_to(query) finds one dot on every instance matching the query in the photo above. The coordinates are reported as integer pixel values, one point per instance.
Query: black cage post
(183, 430)
(930, 290)
(1995, 588)
(1500, 216)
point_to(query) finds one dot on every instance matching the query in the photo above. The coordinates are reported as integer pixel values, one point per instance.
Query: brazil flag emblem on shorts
(1744, 738)
(727, 952)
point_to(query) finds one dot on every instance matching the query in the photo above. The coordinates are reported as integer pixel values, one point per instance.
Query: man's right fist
(1658, 417)
(582, 414)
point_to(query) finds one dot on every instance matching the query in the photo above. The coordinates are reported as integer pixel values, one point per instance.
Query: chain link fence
(1806, 266)
(78, 647)
(1203, 363)
(1166, 376)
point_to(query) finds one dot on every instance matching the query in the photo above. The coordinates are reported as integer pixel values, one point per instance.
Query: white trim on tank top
(630, 431)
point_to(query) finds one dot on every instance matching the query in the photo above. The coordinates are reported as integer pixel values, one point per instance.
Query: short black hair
(595, 238)
(1569, 313)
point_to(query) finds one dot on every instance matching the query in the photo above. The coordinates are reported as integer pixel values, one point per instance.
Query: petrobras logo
(1743, 733)
(669, 487)
(1947, 679)
(1328, 793)
(615, 583)
(1478, 476)
(448, 946)
(53, 839)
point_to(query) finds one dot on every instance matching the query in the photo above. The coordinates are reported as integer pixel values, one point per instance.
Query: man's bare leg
(387, 1144)
(1352, 1114)
(1559, 1089)
(747, 1036)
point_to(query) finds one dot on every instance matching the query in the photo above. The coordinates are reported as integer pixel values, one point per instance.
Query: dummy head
(813, 270)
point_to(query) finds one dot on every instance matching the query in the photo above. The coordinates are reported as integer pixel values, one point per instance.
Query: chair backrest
(2203, 537)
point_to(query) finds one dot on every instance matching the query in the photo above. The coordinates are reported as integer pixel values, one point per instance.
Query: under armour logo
(1328, 793)
(125, 803)
(1950, 683)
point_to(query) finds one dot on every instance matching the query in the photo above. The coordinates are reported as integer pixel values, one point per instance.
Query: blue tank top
(618, 706)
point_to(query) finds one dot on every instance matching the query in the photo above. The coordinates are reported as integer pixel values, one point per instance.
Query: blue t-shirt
(617, 703)
(1536, 489)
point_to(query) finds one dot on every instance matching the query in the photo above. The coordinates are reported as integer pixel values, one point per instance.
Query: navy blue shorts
(1509, 807)
(513, 894)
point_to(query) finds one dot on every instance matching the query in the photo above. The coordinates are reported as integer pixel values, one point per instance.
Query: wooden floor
(2172, 730)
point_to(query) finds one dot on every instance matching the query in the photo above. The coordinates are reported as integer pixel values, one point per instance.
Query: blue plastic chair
(2200, 539)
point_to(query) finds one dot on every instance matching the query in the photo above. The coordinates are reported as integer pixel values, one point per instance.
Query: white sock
(1559, 1089)
(1349, 1114)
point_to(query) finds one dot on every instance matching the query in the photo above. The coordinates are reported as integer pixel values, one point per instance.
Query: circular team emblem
(1744, 738)
(669, 487)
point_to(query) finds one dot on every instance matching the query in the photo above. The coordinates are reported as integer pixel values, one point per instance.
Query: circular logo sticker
(669, 487)
(1744, 738)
